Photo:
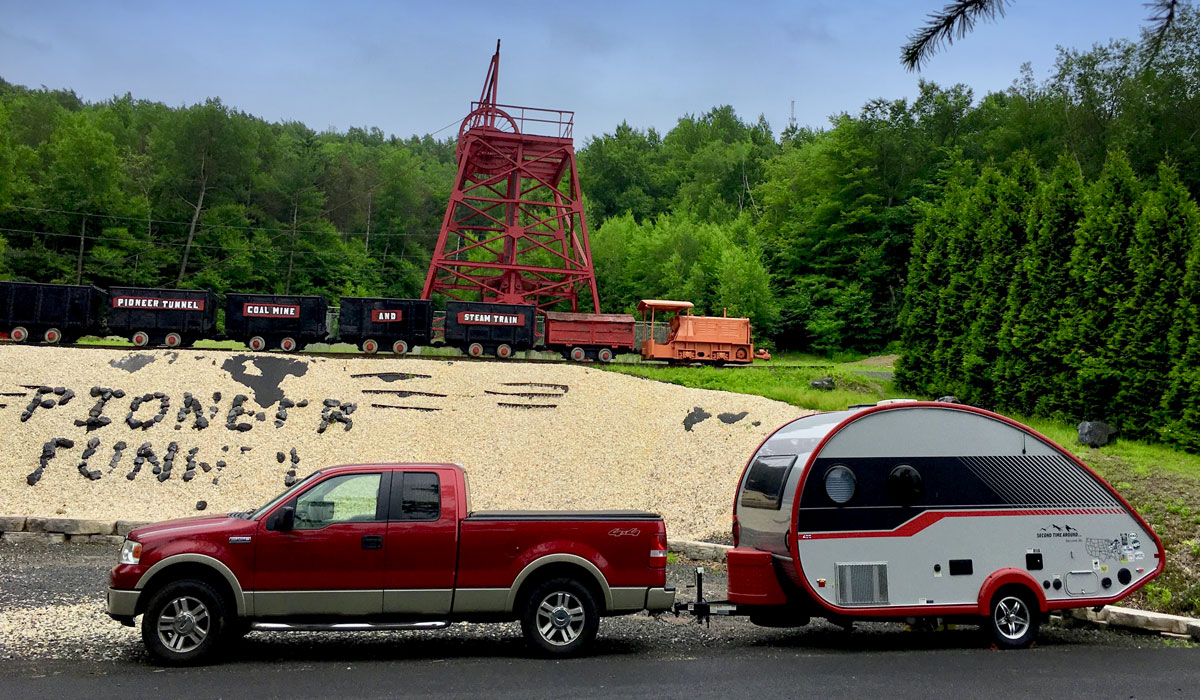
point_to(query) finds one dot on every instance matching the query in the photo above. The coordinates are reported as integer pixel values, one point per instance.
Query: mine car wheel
(604, 355)
(399, 347)
(19, 334)
(141, 339)
(257, 343)
(578, 354)
(288, 345)
(52, 335)
(173, 340)
(741, 354)
(1013, 622)
(370, 346)
(504, 351)
(475, 350)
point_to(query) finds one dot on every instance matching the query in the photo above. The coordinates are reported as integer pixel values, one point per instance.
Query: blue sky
(414, 67)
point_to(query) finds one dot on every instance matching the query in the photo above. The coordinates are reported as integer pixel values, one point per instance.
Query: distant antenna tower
(792, 120)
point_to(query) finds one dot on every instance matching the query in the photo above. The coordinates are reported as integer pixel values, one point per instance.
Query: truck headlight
(131, 552)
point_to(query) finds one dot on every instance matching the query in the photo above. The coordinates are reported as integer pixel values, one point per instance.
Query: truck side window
(764, 484)
(416, 496)
(339, 499)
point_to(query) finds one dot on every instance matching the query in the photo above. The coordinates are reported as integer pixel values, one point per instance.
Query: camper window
(840, 484)
(765, 482)
(905, 485)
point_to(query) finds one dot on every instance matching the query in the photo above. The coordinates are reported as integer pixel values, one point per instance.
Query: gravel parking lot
(52, 607)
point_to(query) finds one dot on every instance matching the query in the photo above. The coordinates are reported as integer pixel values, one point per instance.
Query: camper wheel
(1013, 621)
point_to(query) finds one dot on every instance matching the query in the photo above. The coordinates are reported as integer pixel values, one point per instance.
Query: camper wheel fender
(1005, 577)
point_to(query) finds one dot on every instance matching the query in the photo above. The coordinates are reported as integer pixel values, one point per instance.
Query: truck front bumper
(660, 599)
(122, 605)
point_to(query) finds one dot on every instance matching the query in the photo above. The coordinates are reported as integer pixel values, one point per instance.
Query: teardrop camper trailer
(928, 510)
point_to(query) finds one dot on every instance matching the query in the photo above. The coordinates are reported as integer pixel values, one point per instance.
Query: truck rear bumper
(660, 599)
(122, 603)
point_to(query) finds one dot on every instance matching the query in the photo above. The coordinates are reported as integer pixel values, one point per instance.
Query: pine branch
(954, 21)
(1161, 20)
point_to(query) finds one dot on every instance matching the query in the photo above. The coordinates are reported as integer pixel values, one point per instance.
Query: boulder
(12, 523)
(949, 399)
(1095, 433)
(823, 384)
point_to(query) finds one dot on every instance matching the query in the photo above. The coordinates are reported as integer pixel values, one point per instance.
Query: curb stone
(1143, 620)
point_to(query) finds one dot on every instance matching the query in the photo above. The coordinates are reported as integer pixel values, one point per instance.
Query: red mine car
(715, 339)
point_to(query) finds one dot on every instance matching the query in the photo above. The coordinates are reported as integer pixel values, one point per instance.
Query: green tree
(1103, 279)
(1166, 233)
(1032, 369)
(1181, 400)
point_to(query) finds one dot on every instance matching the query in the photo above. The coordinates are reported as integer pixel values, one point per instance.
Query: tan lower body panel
(624, 599)
(469, 600)
(422, 601)
(286, 603)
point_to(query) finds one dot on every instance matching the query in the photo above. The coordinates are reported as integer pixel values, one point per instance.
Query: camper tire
(1013, 618)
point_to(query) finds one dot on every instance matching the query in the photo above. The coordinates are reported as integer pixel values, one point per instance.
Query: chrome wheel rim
(183, 624)
(560, 618)
(1012, 617)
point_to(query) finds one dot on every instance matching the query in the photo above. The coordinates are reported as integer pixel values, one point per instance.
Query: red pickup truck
(385, 547)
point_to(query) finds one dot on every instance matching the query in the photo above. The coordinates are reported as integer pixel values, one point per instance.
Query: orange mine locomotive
(716, 339)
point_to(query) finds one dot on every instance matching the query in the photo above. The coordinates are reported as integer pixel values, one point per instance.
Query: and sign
(259, 310)
(158, 304)
(386, 315)
(476, 318)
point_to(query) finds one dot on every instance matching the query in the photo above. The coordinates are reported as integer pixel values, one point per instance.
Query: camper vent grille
(862, 584)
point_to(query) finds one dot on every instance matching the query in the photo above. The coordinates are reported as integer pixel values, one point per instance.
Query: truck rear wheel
(1013, 622)
(183, 623)
(560, 617)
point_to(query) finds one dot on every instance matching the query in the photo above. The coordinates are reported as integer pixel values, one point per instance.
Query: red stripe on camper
(928, 518)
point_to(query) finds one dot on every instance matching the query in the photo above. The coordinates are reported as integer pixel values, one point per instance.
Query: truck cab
(385, 547)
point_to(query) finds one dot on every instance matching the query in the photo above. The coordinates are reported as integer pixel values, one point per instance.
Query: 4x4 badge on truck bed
(237, 540)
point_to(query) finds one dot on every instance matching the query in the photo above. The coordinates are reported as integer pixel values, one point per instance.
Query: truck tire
(1013, 618)
(183, 623)
(560, 617)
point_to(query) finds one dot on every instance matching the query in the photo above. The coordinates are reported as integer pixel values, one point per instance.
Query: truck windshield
(284, 496)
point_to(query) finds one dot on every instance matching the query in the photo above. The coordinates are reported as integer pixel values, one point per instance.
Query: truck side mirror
(286, 520)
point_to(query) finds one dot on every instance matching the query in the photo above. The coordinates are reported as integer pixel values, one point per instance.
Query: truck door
(331, 561)
(421, 545)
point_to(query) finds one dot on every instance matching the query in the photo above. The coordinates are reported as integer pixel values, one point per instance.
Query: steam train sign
(52, 313)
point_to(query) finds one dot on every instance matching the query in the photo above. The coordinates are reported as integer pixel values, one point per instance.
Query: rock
(280, 457)
(71, 526)
(124, 527)
(201, 505)
(949, 399)
(823, 384)
(1095, 433)
(12, 523)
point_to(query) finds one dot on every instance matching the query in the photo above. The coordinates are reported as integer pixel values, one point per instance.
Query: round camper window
(839, 484)
(905, 485)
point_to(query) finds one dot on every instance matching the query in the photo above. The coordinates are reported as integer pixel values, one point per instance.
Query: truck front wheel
(183, 623)
(560, 617)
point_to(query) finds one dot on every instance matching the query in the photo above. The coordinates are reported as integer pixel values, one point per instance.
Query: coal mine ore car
(929, 511)
(49, 313)
(264, 321)
(170, 317)
(480, 328)
(375, 323)
(582, 337)
(715, 339)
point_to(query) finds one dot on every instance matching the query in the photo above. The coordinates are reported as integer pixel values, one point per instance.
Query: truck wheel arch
(160, 574)
(1006, 577)
(573, 561)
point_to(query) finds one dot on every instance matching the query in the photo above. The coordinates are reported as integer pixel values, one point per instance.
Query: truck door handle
(372, 542)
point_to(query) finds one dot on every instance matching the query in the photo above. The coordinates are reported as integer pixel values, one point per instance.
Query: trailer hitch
(700, 608)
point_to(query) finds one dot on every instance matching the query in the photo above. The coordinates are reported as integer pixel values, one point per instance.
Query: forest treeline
(809, 232)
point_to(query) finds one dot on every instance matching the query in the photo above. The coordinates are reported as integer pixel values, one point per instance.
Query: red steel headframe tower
(514, 230)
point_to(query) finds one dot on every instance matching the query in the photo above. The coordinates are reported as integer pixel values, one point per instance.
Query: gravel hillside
(228, 430)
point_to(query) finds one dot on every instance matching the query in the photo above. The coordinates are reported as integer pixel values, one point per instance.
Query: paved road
(56, 643)
(765, 672)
